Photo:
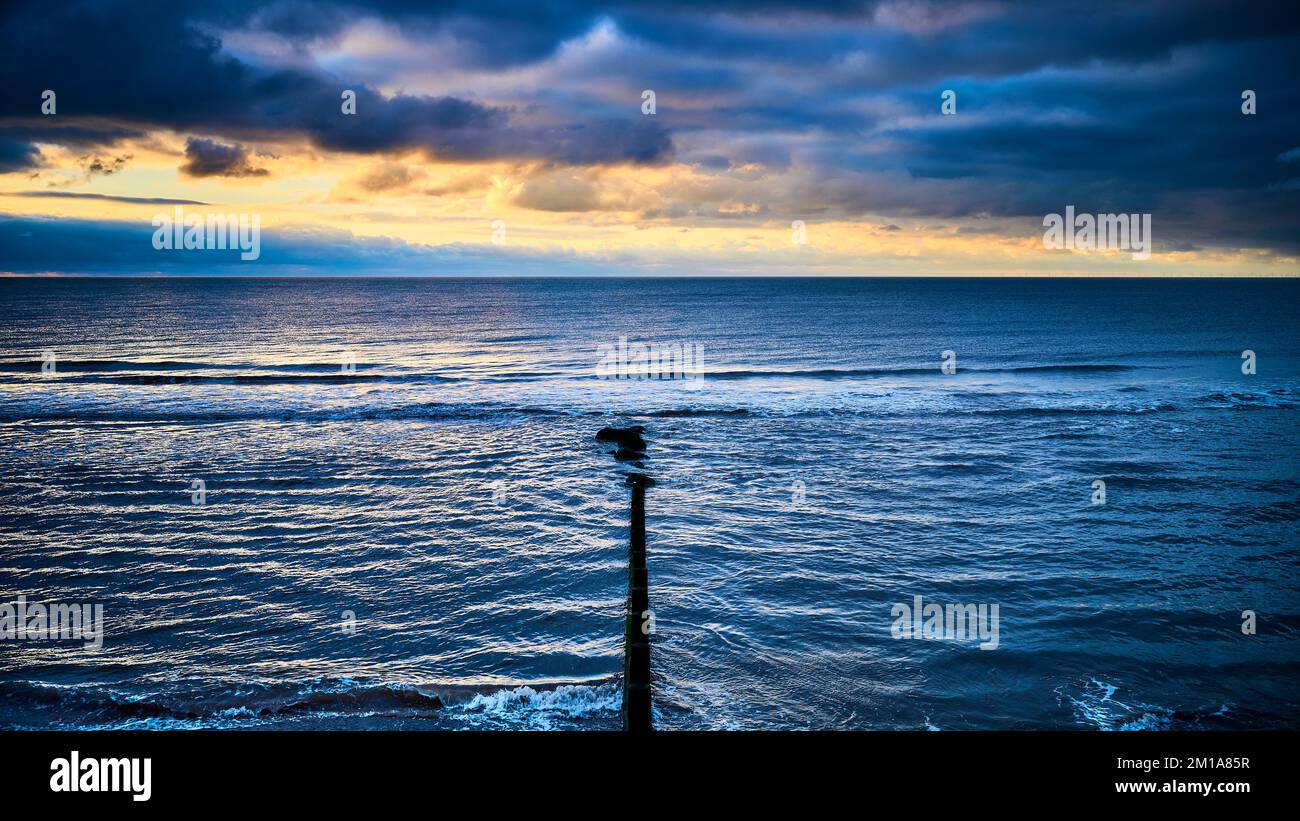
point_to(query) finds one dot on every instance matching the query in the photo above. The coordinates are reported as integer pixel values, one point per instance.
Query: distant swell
(1284, 398)
(849, 373)
(474, 411)
(686, 412)
(432, 411)
(1163, 407)
(110, 365)
(330, 371)
(98, 365)
(266, 379)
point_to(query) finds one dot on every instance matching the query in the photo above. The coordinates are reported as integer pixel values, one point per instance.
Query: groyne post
(636, 645)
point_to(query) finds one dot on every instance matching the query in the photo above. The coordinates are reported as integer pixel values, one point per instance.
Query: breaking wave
(254, 704)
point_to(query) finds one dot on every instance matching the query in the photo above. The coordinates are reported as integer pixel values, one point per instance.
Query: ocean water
(450, 497)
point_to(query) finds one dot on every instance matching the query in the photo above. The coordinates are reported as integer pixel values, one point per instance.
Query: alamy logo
(953, 622)
(216, 232)
(1115, 232)
(637, 360)
(83, 622)
(77, 774)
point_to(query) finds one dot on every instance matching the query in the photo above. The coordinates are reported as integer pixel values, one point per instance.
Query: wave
(1284, 398)
(1080, 368)
(262, 379)
(329, 370)
(414, 412)
(110, 365)
(99, 365)
(689, 412)
(1058, 410)
(458, 411)
(520, 338)
(849, 373)
(1094, 705)
(255, 704)
(418, 412)
(121, 372)
(568, 700)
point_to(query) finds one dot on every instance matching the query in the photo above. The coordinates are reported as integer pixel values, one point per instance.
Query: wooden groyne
(640, 621)
(636, 642)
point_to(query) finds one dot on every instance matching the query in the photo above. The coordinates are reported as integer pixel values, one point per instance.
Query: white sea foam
(537, 708)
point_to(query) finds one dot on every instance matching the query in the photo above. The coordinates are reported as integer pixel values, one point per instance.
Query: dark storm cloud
(159, 65)
(18, 155)
(209, 158)
(19, 135)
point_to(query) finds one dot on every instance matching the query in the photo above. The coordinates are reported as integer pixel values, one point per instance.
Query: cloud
(209, 158)
(145, 46)
(388, 176)
(19, 137)
(766, 110)
(99, 166)
(558, 192)
(71, 195)
(36, 245)
(17, 155)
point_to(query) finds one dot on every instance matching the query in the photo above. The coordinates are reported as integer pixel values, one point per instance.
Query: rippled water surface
(449, 495)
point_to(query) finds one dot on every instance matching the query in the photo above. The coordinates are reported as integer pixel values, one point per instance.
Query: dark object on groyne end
(636, 641)
(627, 439)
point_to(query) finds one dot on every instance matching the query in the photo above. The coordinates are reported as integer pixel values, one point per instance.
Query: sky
(515, 138)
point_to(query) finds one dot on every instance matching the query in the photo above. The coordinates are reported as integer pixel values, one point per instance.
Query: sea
(367, 503)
